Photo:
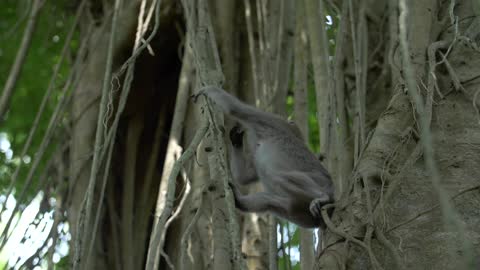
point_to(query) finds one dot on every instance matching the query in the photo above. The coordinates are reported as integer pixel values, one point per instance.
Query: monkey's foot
(316, 205)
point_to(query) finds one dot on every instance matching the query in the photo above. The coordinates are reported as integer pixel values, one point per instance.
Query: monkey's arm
(243, 171)
(234, 107)
(241, 165)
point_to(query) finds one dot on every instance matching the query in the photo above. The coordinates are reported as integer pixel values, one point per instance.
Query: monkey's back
(277, 141)
(279, 152)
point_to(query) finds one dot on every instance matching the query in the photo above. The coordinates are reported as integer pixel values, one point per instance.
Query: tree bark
(153, 87)
(393, 216)
(388, 214)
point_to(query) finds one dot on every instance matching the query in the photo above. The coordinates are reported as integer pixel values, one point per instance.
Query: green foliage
(313, 119)
(64, 263)
(312, 115)
(290, 235)
(283, 264)
(44, 53)
(293, 240)
(54, 23)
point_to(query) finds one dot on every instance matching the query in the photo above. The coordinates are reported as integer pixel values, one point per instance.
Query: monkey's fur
(296, 185)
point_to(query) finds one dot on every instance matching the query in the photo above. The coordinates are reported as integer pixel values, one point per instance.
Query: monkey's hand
(236, 194)
(316, 205)
(203, 92)
(234, 189)
(221, 98)
(196, 95)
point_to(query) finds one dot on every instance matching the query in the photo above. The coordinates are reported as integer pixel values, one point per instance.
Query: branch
(209, 73)
(173, 217)
(348, 237)
(319, 53)
(102, 137)
(360, 50)
(176, 132)
(86, 209)
(45, 99)
(19, 59)
(188, 232)
(156, 241)
(55, 119)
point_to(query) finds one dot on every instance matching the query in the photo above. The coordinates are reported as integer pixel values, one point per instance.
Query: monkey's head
(236, 136)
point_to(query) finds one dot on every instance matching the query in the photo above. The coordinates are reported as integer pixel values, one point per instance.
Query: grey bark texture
(392, 206)
(388, 215)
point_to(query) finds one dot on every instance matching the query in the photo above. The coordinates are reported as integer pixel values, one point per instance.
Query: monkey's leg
(301, 185)
(297, 182)
(260, 202)
(233, 106)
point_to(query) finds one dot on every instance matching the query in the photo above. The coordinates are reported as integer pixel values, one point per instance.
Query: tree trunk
(391, 212)
(396, 213)
(124, 216)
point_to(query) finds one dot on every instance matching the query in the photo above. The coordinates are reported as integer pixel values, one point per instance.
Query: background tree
(121, 165)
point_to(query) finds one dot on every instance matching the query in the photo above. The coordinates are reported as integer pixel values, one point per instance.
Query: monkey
(295, 183)
(240, 160)
(243, 172)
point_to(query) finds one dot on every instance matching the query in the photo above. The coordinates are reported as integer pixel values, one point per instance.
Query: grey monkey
(295, 183)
